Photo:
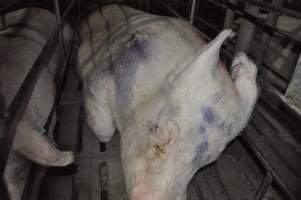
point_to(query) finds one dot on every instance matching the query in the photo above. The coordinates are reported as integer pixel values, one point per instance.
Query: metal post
(58, 20)
(192, 11)
(229, 16)
(266, 38)
(246, 30)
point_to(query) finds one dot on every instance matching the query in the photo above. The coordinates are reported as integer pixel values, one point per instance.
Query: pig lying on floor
(23, 35)
(174, 103)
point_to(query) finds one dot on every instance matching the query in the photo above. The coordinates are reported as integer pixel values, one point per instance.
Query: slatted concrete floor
(97, 173)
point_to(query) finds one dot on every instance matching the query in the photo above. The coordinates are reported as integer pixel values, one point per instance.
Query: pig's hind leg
(98, 92)
(34, 145)
(244, 73)
(99, 119)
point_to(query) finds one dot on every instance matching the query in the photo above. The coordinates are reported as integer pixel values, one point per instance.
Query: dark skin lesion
(162, 136)
(160, 149)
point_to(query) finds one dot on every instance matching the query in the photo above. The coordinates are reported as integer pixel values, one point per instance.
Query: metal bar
(57, 11)
(61, 37)
(170, 9)
(207, 24)
(229, 16)
(246, 30)
(275, 8)
(192, 11)
(251, 144)
(269, 29)
(264, 186)
(21, 99)
(254, 20)
(217, 4)
(266, 38)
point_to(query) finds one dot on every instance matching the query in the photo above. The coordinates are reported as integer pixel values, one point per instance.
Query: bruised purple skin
(202, 148)
(136, 52)
(208, 115)
(126, 65)
(174, 104)
(217, 97)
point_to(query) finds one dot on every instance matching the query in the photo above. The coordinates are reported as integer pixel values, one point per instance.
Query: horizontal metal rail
(274, 8)
(208, 24)
(223, 6)
(267, 28)
(20, 101)
(170, 9)
(264, 27)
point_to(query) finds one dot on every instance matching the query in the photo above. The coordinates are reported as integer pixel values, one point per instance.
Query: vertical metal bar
(266, 38)
(246, 30)
(57, 11)
(192, 11)
(264, 186)
(147, 5)
(229, 16)
(58, 20)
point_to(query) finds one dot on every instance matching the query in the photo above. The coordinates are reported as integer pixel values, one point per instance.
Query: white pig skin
(174, 103)
(23, 34)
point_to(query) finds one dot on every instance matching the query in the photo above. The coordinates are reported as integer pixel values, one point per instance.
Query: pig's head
(188, 124)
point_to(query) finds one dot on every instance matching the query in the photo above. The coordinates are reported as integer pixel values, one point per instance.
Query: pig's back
(140, 54)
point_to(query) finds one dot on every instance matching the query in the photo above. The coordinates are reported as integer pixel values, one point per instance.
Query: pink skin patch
(139, 192)
(223, 67)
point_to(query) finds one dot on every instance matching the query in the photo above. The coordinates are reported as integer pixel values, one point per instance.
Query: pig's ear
(210, 54)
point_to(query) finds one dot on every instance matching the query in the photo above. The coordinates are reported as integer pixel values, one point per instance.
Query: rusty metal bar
(22, 97)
